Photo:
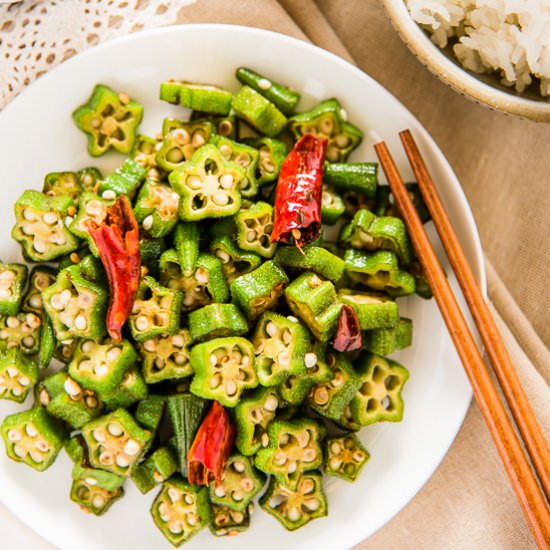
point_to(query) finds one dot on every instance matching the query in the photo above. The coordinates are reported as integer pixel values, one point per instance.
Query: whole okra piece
(374, 310)
(332, 205)
(385, 341)
(216, 321)
(254, 227)
(199, 97)
(40, 279)
(155, 469)
(361, 177)
(272, 153)
(18, 375)
(132, 389)
(144, 152)
(227, 522)
(62, 183)
(125, 180)
(235, 262)
(94, 499)
(156, 209)
(345, 457)
(12, 282)
(311, 258)
(21, 331)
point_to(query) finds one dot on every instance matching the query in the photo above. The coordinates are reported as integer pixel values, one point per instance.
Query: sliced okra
(345, 457)
(253, 413)
(216, 321)
(62, 183)
(294, 508)
(115, 442)
(187, 245)
(385, 341)
(208, 185)
(64, 350)
(361, 177)
(89, 177)
(40, 279)
(235, 262)
(272, 153)
(131, 389)
(21, 331)
(239, 484)
(226, 126)
(150, 411)
(166, 357)
(254, 227)
(150, 251)
(347, 421)
(154, 470)
(100, 365)
(18, 375)
(379, 271)
(47, 345)
(374, 310)
(110, 120)
(94, 499)
(12, 282)
(280, 345)
(332, 205)
(378, 398)
(198, 97)
(144, 152)
(156, 311)
(224, 368)
(32, 437)
(156, 209)
(205, 286)
(327, 120)
(259, 112)
(40, 226)
(311, 258)
(125, 180)
(181, 510)
(294, 448)
(227, 522)
(314, 300)
(260, 289)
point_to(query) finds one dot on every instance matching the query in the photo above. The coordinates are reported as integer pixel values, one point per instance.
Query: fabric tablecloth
(501, 162)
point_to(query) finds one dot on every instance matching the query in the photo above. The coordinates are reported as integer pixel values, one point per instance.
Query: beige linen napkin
(468, 502)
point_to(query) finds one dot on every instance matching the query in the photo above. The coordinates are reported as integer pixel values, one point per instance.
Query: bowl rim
(454, 75)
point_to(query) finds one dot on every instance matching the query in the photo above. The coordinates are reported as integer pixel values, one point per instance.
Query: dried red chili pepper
(298, 193)
(211, 447)
(117, 240)
(348, 334)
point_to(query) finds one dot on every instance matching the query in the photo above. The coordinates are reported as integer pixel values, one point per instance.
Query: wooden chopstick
(500, 427)
(528, 426)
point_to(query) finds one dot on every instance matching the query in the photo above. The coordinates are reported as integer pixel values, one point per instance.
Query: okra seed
(124, 98)
(386, 402)
(178, 340)
(113, 354)
(219, 491)
(12, 322)
(94, 208)
(91, 402)
(115, 429)
(149, 346)
(5, 294)
(223, 256)
(251, 236)
(180, 359)
(213, 359)
(31, 430)
(7, 275)
(283, 440)
(132, 447)
(160, 362)
(292, 318)
(122, 461)
(292, 467)
(12, 372)
(321, 396)
(191, 519)
(220, 198)
(226, 150)
(338, 380)
(19, 450)
(166, 302)
(147, 222)
(175, 527)
(310, 360)
(28, 215)
(358, 456)
(42, 446)
(14, 435)
(142, 323)
(342, 140)
(5, 284)
(91, 481)
(173, 494)
(189, 499)
(238, 466)
(286, 336)
(65, 296)
(17, 392)
(36, 457)
(33, 320)
(332, 154)
(280, 459)
(309, 455)
(49, 218)
(158, 477)
(335, 448)
(194, 182)
(230, 388)
(311, 504)
(98, 501)
(201, 276)
(72, 388)
(98, 436)
(284, 358)
(101, 370)
(294, 514)
(303, 438)
(35, 301)
(226, 181)
(271, 403)
(44, 398)
(80, 322)
(109, 194)
(198, 139)
(335, 463)
(265, 440)
(163, 509)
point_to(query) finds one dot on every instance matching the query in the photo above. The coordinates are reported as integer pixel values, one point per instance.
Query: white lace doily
(36, 35)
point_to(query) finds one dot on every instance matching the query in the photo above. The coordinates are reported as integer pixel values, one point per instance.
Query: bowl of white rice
(496, 52)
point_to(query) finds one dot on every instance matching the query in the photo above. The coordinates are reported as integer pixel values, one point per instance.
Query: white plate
(38, 136)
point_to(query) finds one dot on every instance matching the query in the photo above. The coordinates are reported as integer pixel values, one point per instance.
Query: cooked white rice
(510, 37)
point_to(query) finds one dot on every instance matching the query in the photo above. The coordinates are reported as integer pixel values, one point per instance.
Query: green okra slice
(361, 177)
(294, 508)
(235, 262)
(224, 368)
(186, 413)
(154, 470)
(331, 397)
(252, 415)
(47, 345)
(254, 228)
(12, 282)
(156, 209)
(131, 389)
(166, 357)
(109, 120)
(186, 243)
(115, 442)
(18, 375)
(32, 437)
(385, 341)
(199, 97)
(150, 251)
(156, 311)
(205, 286)
(149, 411)
(208, 185)
(62, 183)
(216, 321)
(315, 301)
(378, 398)
(272, 153)
(181, 510)
(285, 99)
(181, 140)
(40, 279)
(421, 282)
(89, 177)
(347, 422)
(379, 271)
(100, 365)
(239, 484)
(374, 310)
(327, 120)
(260, 289)
(259, 112)
(125, 180)
(227, 522)
(94, 499)
(367, 231)
(345, 457)
(293, 449)
(21, 331)
(224, 125)
(40, 226)
(245, 156)
(332, 205)
(280, 345)
(64, 398)
(144, 153)
(311, 258)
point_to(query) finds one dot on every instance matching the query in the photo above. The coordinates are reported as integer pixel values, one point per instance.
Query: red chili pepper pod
(298, 194)
(117, 240)
(211, 447)
(348, 334)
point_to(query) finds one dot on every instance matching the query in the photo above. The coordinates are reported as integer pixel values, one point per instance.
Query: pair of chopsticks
(531, 492)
